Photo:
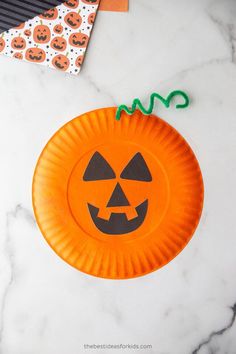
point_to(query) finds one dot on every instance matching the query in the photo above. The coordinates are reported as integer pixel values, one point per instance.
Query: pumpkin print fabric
(117, 199)
(57, 38)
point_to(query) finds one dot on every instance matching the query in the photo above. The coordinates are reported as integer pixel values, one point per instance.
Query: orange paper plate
(117, 199)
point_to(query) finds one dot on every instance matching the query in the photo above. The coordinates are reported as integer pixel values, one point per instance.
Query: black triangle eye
(98, 169)
(137, 170)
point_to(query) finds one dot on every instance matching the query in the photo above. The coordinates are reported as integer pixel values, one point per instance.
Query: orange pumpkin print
(61, 62)
(72, 3)
(78, 39)
(51, 14)
(2, 43)
(58, 29)
(91, 18)
(42, 34)
(125, 198)
(73, 19)
(79, 61)
(18, 43)
(27, 33)
(61, 29)
(18, 56)
(59, 43)
(35, 54)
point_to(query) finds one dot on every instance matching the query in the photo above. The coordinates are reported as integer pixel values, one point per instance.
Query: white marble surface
(47, 307)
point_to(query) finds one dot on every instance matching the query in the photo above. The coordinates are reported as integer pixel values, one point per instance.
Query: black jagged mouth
(73, 24)
(32, 57)
(55, 46)
(58, 65)
(118, 224)
(79, 43)
(18, 46)
(42, 38)
(70, 4)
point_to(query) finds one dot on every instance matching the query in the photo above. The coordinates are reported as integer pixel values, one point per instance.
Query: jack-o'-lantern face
(51, 14)
(79, 40)
(91, 2)
(2, 44)
(18, 43)
(36, 55)
(91, 18)
(58, 29)
(18, 56)
(115, 185)
(42, 34)
(73, 19)
(27, 33)
(125, 216)
(72, 3)
(61, 62)
(59, 43)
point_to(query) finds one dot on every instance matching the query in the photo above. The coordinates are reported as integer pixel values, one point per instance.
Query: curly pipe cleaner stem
(166, 102)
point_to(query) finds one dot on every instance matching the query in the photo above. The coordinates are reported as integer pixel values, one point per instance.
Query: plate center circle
(118, 191)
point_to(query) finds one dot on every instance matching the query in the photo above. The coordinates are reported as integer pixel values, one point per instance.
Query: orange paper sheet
(114, 5)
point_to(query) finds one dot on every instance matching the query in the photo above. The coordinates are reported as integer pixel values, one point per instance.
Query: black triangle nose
(118, 198)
